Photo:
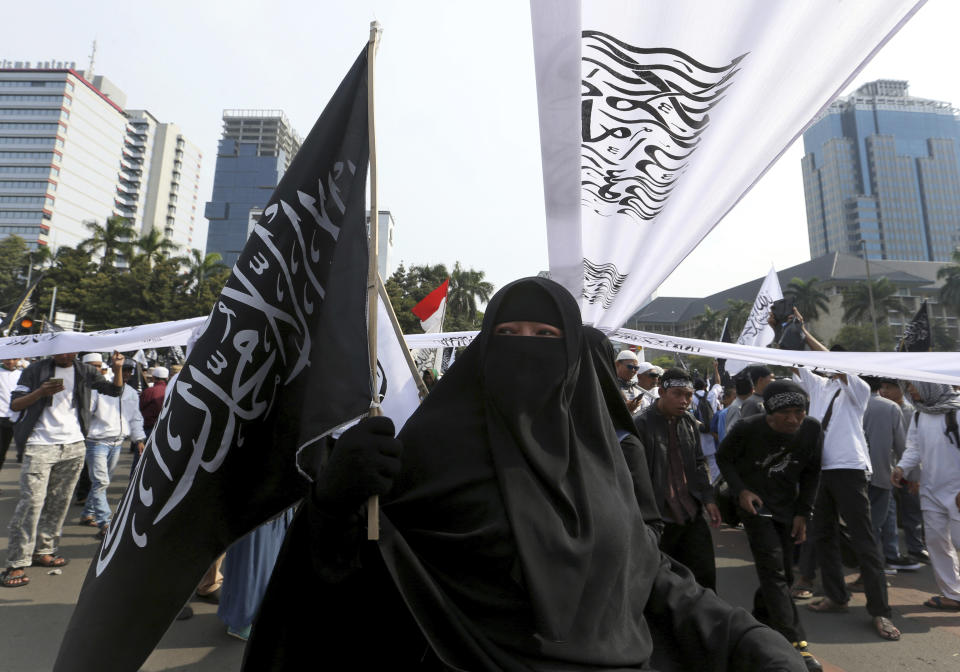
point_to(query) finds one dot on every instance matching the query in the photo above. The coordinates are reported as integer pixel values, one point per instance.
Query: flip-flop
(936, 602)
(49, 561)
(801, 593)
(886, 629)
(8, 581)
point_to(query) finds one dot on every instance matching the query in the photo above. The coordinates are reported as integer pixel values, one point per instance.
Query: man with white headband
(772, 463)
(680, 476)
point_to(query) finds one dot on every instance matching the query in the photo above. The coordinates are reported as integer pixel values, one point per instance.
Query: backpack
(952, 431)
(704, 412)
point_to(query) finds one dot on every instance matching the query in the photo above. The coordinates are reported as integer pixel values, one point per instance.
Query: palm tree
(113, 236)
(709, 324)
(467, 286)
(200, 267)
(856, 301)
(950, 292)
(737, 313)
(808, 299)
(154, 246)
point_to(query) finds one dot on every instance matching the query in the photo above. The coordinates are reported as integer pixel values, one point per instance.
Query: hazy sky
(457, 136)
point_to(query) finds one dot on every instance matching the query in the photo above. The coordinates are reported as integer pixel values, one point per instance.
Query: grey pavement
(34, 618)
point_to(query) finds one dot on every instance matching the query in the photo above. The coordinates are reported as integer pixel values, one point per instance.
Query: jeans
(47, 479)
(6, 436)
(102, 458)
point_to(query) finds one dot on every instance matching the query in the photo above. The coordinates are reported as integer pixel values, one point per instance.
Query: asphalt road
(34, 618)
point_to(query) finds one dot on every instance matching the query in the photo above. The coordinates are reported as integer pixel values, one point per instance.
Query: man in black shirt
(772, 464)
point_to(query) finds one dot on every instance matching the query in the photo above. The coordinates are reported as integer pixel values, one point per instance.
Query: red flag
(431, 303)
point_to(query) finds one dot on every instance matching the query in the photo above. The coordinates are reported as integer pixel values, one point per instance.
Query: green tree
(467, 286)
(13, 263)
(856, 301)
(155, 247)
(112, 237)
(950, 274)
(203, 279)
(407, 287)
(737, 313)
(944, 339)
(859, 338)
(709, 323)
(807, 297)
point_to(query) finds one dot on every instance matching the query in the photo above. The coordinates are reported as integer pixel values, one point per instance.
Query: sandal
(801, 592)
(827, 606)
(937, 602)
(8, 580)
(49, 561)
(886, 629)
(88, 521)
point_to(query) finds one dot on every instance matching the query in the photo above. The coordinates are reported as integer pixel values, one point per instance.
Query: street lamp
(861, 243)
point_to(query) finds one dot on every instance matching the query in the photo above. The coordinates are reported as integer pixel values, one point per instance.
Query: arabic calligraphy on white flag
(756, 331)
(657, 117)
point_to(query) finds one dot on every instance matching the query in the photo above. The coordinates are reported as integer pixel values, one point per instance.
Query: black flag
(725, 378)
(281, 361)
(916, 335)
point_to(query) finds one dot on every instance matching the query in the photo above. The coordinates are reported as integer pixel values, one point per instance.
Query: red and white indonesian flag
(431, 309)
(757, 331)
(656, 117)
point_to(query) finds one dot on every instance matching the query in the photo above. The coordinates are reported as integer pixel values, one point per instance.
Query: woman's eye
(505, 331)
(548, 332)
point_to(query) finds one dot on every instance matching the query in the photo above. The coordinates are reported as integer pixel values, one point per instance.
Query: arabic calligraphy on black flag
(281, 361)
(916, 334)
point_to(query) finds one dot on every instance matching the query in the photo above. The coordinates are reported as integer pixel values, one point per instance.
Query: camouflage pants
(48, 476)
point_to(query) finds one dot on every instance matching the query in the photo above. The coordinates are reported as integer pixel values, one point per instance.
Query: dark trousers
(843, 493)
(911, 519)
(772, 548)
(691, 544)
(6, 436)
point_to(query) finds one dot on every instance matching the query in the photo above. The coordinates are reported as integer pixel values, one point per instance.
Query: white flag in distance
(757, 331)
(657, 117)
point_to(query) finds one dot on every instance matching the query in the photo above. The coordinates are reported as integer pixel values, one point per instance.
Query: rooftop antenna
(93, 58)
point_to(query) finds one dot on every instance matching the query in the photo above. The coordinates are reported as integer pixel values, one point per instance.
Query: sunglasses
(632, 367)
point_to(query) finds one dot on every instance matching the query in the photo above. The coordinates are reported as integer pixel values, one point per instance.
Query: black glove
(364, 462)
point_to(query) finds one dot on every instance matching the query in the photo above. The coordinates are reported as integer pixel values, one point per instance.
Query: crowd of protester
(817, 468)
(69, 417)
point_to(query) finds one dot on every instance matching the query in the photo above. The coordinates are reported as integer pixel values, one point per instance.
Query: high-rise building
(255, 150)
(71, 155)
(883, 167)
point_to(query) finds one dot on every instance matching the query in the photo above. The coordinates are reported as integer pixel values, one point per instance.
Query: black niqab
(515, 504)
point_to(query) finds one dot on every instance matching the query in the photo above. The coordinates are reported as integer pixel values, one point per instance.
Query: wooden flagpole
(421, 386)
(373, 275)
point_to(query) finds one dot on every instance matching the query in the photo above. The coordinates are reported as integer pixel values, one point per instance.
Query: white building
(70, 154)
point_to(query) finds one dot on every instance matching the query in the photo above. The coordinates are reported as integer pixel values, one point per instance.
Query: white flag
(657, 117)
(757, 331)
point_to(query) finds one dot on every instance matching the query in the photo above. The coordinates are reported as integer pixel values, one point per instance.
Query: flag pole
(408, 358)
(373, 276)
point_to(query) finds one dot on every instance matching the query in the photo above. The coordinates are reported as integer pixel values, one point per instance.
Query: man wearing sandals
(53, 396)
(933, 439)
(840, 402)
(771, 461)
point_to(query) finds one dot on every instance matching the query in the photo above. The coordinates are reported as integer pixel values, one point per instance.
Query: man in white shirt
(54, 396)
(839, 402)
(933, 439)
(112, 419)
(9, 375)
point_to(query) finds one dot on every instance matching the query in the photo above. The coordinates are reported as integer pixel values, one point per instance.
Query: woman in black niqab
(511, 538)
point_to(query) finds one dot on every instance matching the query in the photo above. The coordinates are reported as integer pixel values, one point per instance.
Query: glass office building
(255, 151)
(883, 167)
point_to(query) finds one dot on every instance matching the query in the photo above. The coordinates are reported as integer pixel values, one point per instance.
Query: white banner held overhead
(936, 367)
(757, 331)
(124, 339)
(657, 117)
